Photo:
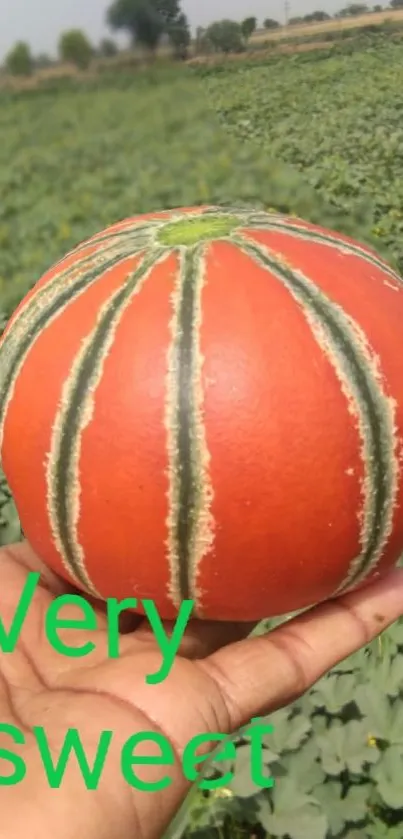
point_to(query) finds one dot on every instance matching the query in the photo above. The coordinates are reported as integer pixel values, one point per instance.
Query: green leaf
(334, 692)
(387, 670)
(290, 730)
(376, 707)
(358, 834)
(396, 632)
(353, 808)
(346, 747)
(388, 775)
(380, 830)
(303, 767)
(242, 783)
(320, 725)
(10, 530)
(353, 663)
(295, 814)
(384, 717)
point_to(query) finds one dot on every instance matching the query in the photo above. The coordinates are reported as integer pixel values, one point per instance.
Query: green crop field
(337, 118)
(319, 135)
(75, 160)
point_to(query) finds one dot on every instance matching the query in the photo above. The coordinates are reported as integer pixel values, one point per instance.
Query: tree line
(351, 10)
(150, 22)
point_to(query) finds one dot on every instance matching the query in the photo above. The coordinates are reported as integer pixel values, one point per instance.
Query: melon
(207, 404)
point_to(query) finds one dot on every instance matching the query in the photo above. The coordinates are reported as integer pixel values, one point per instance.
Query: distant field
(303, 29)
(132, 58)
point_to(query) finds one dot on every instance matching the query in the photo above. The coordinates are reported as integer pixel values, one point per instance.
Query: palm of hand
(217, 683)
(96, 693)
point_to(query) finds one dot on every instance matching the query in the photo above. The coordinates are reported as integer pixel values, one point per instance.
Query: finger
(261, 674)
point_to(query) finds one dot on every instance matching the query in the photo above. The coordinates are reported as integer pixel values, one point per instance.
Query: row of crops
(319, 135)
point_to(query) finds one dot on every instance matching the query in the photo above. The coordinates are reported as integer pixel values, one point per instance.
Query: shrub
(270, 23)
(75, 48)
(108, 48)
(19, 61)
(225, 36)
(248, 27)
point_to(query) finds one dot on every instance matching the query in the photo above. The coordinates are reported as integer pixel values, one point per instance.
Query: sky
(40, 21)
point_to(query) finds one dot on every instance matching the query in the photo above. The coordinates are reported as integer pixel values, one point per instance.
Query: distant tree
(248, 27)
(147, 20)
(379, 8)
(269, 23)
(75, 48)
(225, 36)
(358, 9)
(316, 17)
(19, 61)
(396, 4)
(199, 39)
(202, 45)
(107, 48)
(169, 10)
(353, 10)
(140, 18)
(293, 21)
(179, 36)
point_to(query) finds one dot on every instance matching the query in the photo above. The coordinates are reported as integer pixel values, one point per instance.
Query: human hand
(219, 680)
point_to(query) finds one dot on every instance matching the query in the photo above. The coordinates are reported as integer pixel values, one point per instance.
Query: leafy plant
(148, 20)
(19, 61)
(225, 36)
(108, 48)
(179, 36)
(270, 23)
(75, 47)
(248, 27)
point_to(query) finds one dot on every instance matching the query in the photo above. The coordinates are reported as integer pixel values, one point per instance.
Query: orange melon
(207, 404)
